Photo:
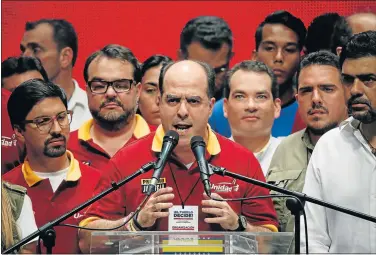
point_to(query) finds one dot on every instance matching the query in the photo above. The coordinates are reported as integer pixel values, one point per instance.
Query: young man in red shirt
(113, 77)
(186, 102)
(56, 182)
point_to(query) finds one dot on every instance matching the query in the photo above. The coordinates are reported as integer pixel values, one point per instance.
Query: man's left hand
(225, 216)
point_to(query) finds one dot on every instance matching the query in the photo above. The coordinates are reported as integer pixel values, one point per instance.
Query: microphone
(198, 147)
(170, 140)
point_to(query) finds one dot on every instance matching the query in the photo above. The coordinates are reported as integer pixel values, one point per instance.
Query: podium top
(163, 242)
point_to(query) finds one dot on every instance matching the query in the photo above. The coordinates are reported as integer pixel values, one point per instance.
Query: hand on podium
(225, 215)
(153, 208)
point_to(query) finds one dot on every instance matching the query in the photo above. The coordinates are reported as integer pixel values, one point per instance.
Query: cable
(271, 196)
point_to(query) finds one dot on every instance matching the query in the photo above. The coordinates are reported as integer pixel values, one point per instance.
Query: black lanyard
(176, 185)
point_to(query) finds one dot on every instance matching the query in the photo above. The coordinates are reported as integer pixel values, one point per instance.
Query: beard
(322, 130)
(55, 151)
(113, 120)
(364, 117)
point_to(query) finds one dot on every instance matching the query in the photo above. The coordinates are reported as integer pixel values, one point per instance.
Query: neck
(314, 138)
(287, 92)
(254, 144)
(112, 141)
(64, 80)
(369, 132)
(46, 164)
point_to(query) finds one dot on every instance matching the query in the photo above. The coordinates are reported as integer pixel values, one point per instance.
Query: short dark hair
(359, 46)
(210, 31)
(27, 95)
(252, 66)
(341, 34)
(320, 32)
(321, 57)
(152, 61)
(115, 51)
(64, 34)
(19, 65)
(287, 19)
(208, 70)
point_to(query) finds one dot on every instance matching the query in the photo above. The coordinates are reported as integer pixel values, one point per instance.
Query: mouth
(250, 118)
(359, 106)
(316, 112)
(278, 72)
(111, 105)
(57, 141)
(182, 128)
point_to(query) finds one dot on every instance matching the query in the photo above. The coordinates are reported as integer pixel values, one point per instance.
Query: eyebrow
(151, 84)
(274, 43)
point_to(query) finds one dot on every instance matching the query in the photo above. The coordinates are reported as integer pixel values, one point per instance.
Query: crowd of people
(300, 114)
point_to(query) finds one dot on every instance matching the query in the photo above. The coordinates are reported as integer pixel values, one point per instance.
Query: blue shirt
(281, 127)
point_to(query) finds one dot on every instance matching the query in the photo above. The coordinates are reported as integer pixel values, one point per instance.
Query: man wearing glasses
(208, 39)
(113, 76)
(55, 181)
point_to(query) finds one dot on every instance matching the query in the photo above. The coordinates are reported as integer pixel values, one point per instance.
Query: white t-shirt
(55, 177)
(78, 103)
(26, 222)
(264, 156)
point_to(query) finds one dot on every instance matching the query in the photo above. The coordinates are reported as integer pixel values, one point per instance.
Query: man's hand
(225, 216)
(154, 206)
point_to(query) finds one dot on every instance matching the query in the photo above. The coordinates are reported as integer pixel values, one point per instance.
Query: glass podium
(123, 242)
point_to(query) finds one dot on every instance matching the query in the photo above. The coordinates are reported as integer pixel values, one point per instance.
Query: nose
(28, 53)
(183, 110)
(316, 97)
(111, 92)
(251, 105)
(278, 56)
(55, 128)
(357, 88)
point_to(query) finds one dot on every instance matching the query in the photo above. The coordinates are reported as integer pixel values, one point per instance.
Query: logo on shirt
(8, 141)
(145, 184)
(225, 187)
(78, 215)
(88, 163)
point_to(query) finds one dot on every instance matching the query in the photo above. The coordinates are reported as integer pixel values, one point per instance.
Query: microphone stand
(47, 232)
(294, 204)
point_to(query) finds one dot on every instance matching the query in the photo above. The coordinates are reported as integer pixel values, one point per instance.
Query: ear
(181, 55)
(277, 108)
(339, 50)
(211, 105)
(158, 99)
(19, 133)
(138, 89)
(225, 107)
(66, 57)
(231, 55)
(254, 55)
(297, 98)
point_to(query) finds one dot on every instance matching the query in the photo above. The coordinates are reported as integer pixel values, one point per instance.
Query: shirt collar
(306, 140)
(213, 146)
(349, 124)
(77, 96)
(74, 172)
(141, 129)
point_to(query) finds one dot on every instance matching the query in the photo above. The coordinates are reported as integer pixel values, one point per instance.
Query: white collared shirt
(342, 171)
(265, 155)
(78, 103)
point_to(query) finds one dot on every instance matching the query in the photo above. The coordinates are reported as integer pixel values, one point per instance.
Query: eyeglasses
(101, 87)
(44, 124)
(221, 69)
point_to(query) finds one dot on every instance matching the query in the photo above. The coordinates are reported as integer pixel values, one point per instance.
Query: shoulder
(234, 150)
(292, 139)
(14, 175)
(14, 188)
(73, 137)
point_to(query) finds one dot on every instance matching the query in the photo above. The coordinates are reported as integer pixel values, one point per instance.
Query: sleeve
(26, 222)
(111, 206)
(318, 237)
(260, 212)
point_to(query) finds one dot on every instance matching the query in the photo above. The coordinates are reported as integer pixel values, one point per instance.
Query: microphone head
(197, 141)
(172, 136)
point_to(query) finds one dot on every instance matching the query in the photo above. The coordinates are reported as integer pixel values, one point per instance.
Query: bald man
(185, 102)
(361, 22)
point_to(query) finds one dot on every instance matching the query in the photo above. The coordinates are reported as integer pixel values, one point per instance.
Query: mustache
(111, 100)
(318, 107)
(55, 136)
(358, 100)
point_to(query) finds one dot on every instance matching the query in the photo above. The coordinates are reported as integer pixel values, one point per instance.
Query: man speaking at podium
(186, 102)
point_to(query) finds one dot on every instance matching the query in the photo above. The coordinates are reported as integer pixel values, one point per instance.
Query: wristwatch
(242, 220)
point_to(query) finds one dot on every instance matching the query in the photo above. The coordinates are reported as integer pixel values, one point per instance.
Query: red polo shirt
(10, 153)
(48, 205)
(220, 152)
(88, 152)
